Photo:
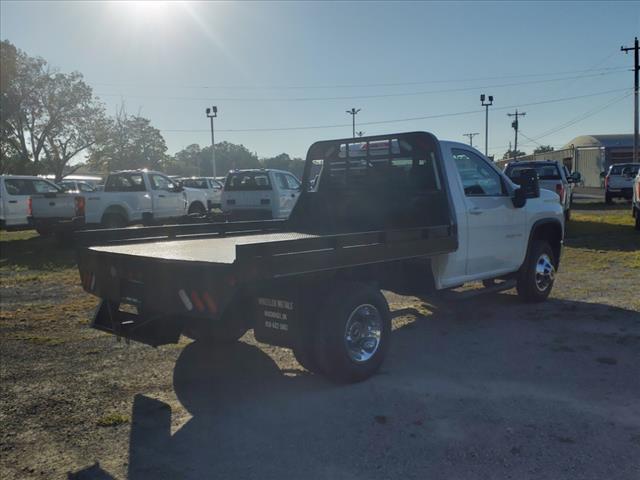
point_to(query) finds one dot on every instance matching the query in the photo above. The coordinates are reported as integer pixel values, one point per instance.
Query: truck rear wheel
(113, 220)
(537, 275)
(354, 330)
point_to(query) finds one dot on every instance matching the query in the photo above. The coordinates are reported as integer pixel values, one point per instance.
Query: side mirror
(575, 177)
(178, 187)
(519, 198)
(603, 174)
(527, 178)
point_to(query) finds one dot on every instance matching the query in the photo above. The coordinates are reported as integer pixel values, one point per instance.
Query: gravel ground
(480, 388)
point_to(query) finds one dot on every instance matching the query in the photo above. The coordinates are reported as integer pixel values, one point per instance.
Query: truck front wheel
(354, 331)
(537, 275)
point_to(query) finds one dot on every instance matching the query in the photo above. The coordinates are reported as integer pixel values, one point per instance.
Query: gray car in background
(552, 175)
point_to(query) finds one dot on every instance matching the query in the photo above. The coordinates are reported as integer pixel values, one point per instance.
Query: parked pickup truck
(635, 201)
(404, 212)
(15, 199)
(618, 181)
(259, 194)
(136, 196)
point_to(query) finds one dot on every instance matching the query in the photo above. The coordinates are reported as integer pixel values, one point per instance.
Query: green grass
(113, 420)
(606, 230)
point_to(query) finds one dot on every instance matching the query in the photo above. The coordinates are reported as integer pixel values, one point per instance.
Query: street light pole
(213, 113)
(353, 112)
(486, 121)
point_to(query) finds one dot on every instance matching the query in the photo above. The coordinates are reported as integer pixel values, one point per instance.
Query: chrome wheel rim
(545, 272)
(363, 332)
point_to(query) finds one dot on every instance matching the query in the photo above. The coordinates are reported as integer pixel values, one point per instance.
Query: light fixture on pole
(353, 112)
(486, 121)
(213, 113)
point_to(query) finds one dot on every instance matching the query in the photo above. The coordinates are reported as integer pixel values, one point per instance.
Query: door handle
(161, 196)
(13, 201)
(475, 211)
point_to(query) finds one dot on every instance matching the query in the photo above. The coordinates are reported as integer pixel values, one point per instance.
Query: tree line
(52, 123)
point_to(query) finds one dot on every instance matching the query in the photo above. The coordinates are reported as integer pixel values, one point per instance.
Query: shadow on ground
(478, 389)
(36, 253)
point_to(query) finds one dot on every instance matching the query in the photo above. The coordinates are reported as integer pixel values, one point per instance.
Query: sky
(273, 68)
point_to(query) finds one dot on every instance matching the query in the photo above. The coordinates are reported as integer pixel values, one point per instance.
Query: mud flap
(151, 328)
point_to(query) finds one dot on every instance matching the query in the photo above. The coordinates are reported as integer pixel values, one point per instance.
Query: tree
(509, 154)
(285, 162)
(129, 142)
(543, 149)
(194, 160)
(47, 117)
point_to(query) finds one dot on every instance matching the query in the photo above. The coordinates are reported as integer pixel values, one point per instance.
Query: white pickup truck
(404, 212)
(129, 197)
(260, 194)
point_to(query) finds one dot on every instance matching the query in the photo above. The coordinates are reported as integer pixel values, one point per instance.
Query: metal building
(590, 155)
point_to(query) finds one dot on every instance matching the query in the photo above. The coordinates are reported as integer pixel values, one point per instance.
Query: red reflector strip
(197, 302)
(211, 305)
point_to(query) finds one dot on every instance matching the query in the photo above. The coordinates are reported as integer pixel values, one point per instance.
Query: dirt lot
(483, 388)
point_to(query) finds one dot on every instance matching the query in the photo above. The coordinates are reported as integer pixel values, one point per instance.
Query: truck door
(287, 194)
(166, 201)
(495, 226)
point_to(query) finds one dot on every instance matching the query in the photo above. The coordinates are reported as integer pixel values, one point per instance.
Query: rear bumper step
(150, 329)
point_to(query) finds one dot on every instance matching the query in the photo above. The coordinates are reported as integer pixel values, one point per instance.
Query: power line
(470, 136)
(573, 121)
(397, 120)
(349, 97)
(366, 85)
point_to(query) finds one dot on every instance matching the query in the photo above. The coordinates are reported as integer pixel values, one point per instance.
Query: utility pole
(470, 135)
(636, 68)
(486, 121)
(353, 112)
(213, 113)
(514, 124)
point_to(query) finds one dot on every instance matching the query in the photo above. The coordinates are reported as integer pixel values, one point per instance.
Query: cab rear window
(545, 172)
(247, 181)
(624, 169)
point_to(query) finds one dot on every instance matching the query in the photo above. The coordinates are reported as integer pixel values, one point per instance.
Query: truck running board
(154, 330)
(497, 287)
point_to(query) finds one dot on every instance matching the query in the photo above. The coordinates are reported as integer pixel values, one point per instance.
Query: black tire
(488, 283)
(608, 199)
(113, 220)
(346, 303)
(44, 232)
(637, 225)
(536, 277)
(196, 208)
(567, 215)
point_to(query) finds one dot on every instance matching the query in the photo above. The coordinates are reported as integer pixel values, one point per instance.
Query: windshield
(195, 183)
(545, 171)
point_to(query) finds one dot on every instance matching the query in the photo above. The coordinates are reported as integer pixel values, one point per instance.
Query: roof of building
(608, 140)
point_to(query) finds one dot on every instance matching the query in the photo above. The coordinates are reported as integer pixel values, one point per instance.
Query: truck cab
(494, 232)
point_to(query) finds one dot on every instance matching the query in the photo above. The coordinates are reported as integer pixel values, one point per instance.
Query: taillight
(30, 207)
(79, 203)
(638, 191)
(606, 182)
(560, 191)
